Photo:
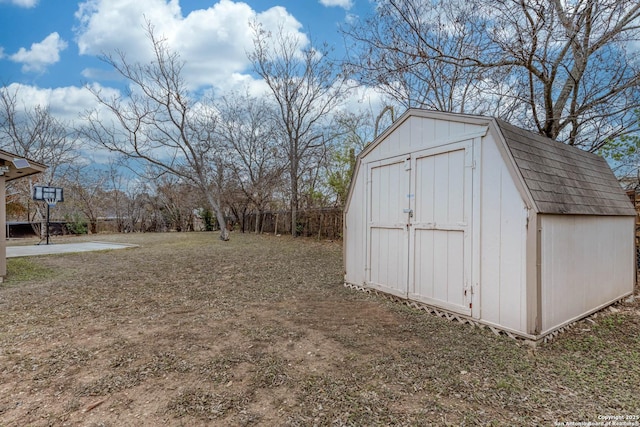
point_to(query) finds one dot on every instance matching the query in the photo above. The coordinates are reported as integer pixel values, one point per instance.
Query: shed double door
(419, 231)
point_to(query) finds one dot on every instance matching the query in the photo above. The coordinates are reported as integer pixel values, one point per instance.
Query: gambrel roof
(563, 179)
(559, 178)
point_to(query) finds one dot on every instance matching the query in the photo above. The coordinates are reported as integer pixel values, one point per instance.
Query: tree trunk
(222, 223)
(258, 221)
(294, 215)
(224, 233)
(293, 174)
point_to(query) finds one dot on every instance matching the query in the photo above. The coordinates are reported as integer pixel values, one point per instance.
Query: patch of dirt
(188, 330)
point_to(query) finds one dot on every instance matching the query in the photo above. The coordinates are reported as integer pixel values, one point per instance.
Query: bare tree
(255, 162)
(117, 197)
(357, 130)
(566, 69)
(135, 202)
(86, 193)
(34, 133)
(238, 202)
(395, 50)
(306, 88)
(177, 204)
(159, 123)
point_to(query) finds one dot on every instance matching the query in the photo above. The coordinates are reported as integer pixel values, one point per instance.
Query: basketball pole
(48, 207)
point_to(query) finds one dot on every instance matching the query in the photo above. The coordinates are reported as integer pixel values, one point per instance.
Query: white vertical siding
(420, 133)
(354, 237)
(587, 262)
(503, 228)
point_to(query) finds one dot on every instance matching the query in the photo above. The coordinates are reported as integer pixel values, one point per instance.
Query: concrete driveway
(63, 248)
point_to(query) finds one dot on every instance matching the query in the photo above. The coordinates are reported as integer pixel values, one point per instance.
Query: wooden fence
(634, 196)
(322, 223)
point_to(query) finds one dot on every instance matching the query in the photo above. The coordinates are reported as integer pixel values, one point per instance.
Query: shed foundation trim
(497, 329)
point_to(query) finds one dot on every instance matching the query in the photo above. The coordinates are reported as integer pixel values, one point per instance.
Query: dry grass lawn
(188, 330)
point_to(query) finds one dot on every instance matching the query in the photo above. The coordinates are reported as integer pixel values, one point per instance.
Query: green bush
(76, 224)
(208, 219)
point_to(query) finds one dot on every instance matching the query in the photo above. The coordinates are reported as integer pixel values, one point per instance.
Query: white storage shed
(489, 222)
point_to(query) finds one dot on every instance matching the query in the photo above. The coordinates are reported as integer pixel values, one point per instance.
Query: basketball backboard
(48, 194)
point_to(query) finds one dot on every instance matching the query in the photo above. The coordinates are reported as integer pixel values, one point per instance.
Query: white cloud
(65, 103)
(98, 74)
(345, 4)
(107, 25)
(40, 55)
(240, 82)
(212, 42)
(350, 18)
(21, 3)
(365, 98)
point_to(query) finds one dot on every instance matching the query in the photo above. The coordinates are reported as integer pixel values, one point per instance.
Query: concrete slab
(63, 248)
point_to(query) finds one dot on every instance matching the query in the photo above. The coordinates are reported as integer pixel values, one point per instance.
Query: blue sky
(49, 48)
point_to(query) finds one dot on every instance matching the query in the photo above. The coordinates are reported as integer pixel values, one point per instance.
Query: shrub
(76, 224)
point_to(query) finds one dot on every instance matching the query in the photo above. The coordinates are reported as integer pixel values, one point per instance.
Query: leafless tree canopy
(254, 157)
(159, 123)
(569, 70)
(306, 88)
(36, 134)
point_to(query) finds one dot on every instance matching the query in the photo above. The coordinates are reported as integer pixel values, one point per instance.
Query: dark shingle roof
(563, 179)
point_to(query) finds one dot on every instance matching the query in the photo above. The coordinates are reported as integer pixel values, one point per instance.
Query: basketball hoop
(51, 196)
(51, 201)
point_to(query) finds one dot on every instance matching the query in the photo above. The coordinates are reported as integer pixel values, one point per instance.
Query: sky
(49, 49)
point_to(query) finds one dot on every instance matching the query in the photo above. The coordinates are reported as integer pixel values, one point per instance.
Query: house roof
(17, 166)
(563, 179)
